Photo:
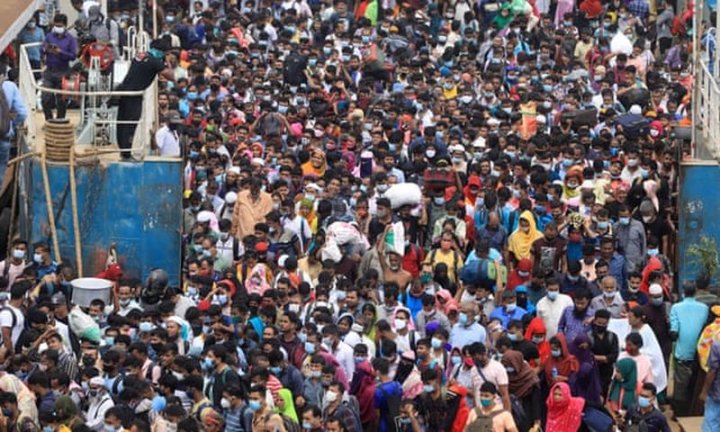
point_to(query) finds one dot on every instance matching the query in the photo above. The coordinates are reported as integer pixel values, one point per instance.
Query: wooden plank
(690, 424)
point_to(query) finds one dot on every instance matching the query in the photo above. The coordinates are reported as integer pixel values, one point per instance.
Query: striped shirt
(234, 420)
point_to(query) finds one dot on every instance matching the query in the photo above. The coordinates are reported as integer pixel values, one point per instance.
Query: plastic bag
(83, 325)
(401, 194)
(620, 44)
(395, 239)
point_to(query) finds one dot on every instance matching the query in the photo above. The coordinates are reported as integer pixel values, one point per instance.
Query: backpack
(483, 423)
(5, 120)
(293, 69)
(393, 411)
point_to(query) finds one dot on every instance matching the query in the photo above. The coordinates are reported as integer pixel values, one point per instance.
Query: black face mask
(599, 329)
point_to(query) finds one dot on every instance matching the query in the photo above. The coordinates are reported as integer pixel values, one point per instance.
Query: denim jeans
(4, 157)
(711, 422)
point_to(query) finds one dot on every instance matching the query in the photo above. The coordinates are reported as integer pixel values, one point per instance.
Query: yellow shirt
(451, 259)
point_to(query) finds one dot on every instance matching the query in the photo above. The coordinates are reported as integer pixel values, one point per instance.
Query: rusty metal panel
(136, 206)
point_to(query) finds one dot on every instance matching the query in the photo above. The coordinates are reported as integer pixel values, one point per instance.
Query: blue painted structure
(136, 206)
(699, 212)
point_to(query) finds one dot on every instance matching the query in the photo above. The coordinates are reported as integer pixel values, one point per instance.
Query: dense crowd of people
(398, 216)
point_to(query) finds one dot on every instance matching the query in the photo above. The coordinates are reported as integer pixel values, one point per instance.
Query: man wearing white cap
(100, 402)
(225, 211)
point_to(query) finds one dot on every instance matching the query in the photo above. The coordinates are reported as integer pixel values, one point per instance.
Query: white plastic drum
(85, 290)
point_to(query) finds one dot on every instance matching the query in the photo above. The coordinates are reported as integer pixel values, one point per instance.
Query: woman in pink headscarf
(257, 283)
(444, 301)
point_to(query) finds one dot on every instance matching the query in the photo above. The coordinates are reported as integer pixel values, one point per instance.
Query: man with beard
(576, 319)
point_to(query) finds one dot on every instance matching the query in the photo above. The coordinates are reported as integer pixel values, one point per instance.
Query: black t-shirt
(141, 73)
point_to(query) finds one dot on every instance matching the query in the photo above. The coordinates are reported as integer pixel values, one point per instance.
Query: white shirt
(225, 248)
(344, 355)
(551, 312)
(167, 142)
(6, 320)
(14, 271)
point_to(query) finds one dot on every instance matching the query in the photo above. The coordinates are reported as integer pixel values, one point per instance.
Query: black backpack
(294, 69)
(393, 411)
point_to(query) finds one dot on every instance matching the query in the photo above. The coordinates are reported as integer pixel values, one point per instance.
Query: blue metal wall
(699, 211)
(137, 206)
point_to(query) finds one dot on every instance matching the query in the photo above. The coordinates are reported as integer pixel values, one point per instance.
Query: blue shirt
(15, 103)
(687, 319)
(391, 388)
(571, 325)
(505, 317)
(35, 35)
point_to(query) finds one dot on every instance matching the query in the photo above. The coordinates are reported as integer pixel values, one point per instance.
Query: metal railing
(31, 90)
(706, 113)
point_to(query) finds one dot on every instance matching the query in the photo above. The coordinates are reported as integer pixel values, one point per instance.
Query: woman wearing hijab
(564, 412)
(537, 333)
(623, 386)
(571, 183)
(316, 166)
(524, 384)
(257, 283)
(587, 379)
(363, 388)
(561, 366)
(285, 405)
(520, 242)
(470, 192)
(444, 301)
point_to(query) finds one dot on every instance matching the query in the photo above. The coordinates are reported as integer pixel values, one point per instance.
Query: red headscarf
(566, 365)
(473, 180)
(537, 326)
(564, 414)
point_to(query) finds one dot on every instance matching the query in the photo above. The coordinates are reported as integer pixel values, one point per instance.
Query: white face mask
(400, 324)
(430, 153)
(58, 29)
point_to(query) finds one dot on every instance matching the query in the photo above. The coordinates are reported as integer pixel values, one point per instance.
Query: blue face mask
(462, 318)
(275, 370)
(653, 252)
(657, 301)
(513, 337)
(254, 405)
(309, 348)
(456, 360)
(556, 353)
(428, 388)
(486, 402)
(643, 402)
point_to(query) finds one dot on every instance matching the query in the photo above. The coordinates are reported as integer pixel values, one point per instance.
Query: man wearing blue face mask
(630, 234)
(510, 310)
(645, 414)
(467, 330)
